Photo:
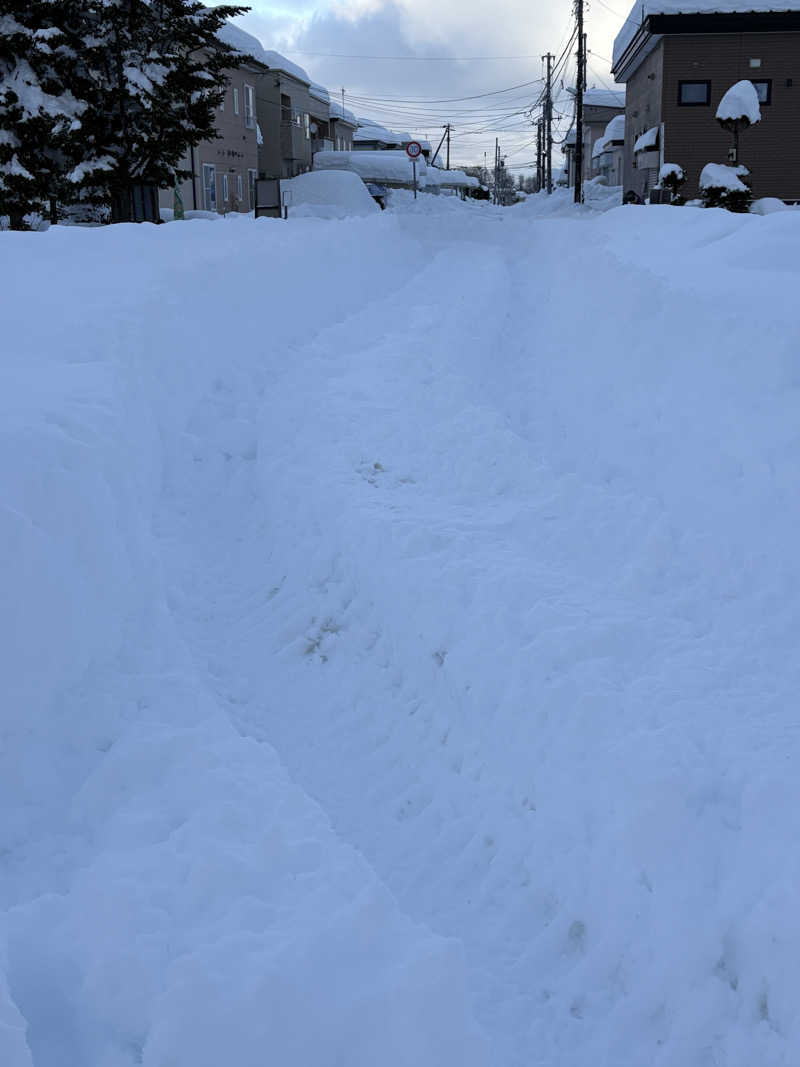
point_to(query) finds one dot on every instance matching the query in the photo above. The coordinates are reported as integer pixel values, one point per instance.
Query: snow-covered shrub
(738, 110)
(728, 187)
(672, 177)
(739, 105)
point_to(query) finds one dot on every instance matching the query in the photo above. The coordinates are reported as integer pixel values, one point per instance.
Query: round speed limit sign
(414, 149)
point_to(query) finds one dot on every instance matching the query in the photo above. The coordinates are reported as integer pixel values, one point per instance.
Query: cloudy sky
(413, 63)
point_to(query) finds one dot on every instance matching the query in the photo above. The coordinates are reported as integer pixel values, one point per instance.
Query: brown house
(677, 67)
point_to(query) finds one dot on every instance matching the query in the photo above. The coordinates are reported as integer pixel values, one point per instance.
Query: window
(251, 187)
(755, 62)
(307, 126)
(694, 94)
(249, 107)
(209, 187)
(764, 90)
(286, 108)
(225, 188)
(236, 101)
(239, 187)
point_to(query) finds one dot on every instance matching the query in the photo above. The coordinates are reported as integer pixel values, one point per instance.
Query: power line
(416, 59)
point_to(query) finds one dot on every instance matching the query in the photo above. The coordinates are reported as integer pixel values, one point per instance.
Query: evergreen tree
(153, 74)
(39, 115)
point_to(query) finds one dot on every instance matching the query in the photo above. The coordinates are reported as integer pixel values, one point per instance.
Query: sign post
(414, 151)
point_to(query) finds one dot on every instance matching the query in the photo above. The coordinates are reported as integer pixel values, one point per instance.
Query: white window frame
(225, 189)
(239, 190)
(249, 106)
(235, 101)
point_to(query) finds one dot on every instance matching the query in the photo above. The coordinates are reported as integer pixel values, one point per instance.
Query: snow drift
(395, 650)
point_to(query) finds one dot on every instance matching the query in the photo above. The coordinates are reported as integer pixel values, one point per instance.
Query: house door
(209, 187)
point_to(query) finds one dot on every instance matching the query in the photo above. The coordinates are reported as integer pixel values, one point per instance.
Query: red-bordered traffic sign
(414, 149)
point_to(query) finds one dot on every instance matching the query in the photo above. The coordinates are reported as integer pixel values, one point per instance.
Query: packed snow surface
(740, 102)
(399, 655)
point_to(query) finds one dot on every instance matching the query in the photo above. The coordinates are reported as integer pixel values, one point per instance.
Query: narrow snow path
(473, 557)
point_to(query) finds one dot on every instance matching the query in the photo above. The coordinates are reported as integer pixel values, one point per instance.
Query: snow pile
(721, 176)
(768, 205)
(740, 102)
(328, 194)
(598, 197)
(374, 166)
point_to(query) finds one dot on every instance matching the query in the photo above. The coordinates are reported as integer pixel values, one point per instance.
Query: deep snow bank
(168, 895)
(507, 579)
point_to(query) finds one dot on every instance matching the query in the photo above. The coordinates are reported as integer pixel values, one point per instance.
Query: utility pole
(539, 155)
(548, 124)
(448, 146)
(579, 103)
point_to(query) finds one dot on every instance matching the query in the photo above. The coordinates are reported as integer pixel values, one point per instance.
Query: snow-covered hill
(399, 641)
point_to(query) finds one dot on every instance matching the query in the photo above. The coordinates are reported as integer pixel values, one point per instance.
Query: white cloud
(312, 32)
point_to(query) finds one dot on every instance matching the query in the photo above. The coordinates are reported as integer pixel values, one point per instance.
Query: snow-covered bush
(728, 187)
(672, 177)
(739, 105)
(738, 110)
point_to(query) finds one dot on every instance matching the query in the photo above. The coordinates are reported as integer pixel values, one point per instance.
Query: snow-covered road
(479, 528)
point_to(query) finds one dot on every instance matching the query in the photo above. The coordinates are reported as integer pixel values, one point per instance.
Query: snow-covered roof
(644, 8)
(740, 102)
(571, 137)
(248, 45)
(720, 176)
(370, 130)
(614, 131)
(604, 97)
(649, 139)
(339, 112)
(319, 92)
(452, 179)
(378, 166)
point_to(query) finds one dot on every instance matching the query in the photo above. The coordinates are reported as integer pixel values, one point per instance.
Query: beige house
(271, 121)
(224, 170)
